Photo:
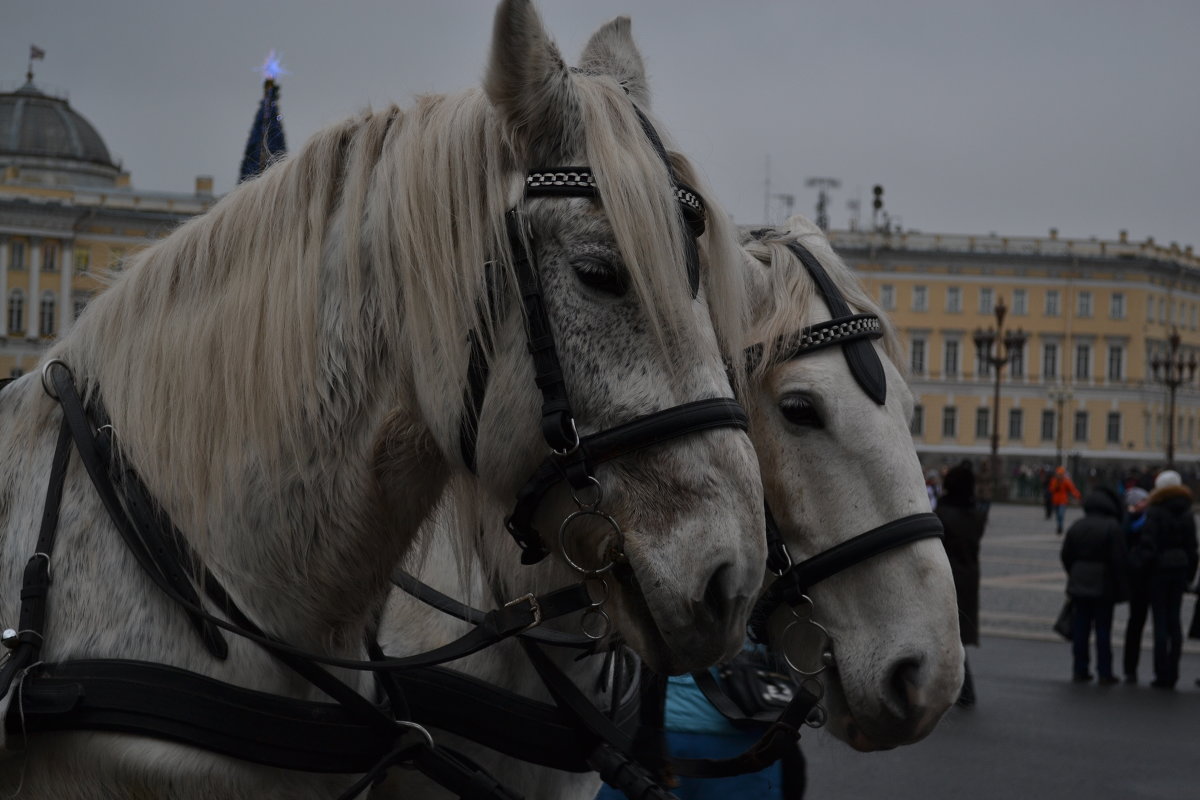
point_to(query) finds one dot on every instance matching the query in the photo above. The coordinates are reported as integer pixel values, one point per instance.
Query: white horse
(835, 463)
(285, 374)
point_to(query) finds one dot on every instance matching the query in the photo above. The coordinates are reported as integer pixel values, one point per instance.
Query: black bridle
(853, 333)
(572, 457)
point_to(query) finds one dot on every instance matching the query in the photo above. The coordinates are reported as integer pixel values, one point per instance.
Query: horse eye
(799, 409)
(603, 276)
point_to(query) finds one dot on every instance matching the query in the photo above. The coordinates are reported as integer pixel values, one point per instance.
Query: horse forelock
(640, 205)
(782, 309)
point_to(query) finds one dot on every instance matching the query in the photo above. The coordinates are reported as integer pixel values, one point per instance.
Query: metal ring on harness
(46, 383)
(573, 446)
(800, 634)
(593, 485)
(616, 552)
(595, 613)
(403, 723)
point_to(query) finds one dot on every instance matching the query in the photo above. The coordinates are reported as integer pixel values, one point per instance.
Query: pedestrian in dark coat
(1168, 549)
(1136, 500)
(1094, 556)
(963, 522)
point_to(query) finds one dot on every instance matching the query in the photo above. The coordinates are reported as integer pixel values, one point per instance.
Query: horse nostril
(719, 594)
(905, 684)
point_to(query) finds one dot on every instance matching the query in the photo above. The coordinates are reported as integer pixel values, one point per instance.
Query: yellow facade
(1095, 316)
(50, 270)
(68, 215)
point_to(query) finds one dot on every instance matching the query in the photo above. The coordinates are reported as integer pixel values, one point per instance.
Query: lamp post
(1060, 393)
(1005, 346)
(1173, 369)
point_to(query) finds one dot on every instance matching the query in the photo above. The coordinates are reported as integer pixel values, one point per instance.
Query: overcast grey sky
(976, 115)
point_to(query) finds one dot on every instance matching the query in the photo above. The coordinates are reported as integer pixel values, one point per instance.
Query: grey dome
(36, 126)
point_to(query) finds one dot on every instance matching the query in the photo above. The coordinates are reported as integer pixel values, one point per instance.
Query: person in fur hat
(1168, 549)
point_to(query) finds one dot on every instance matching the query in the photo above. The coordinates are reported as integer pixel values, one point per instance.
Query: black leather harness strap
(455, 608)
(185, 707)
(645, 431)
(860, 354)
(35, 581)
(610, 753)
(794, 583)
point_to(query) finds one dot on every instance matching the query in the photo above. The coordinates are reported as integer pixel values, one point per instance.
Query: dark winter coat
(963, 524)
(1093, 550)
(1168, 539)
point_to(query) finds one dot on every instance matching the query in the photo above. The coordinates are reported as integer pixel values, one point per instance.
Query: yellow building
(67, 215)
(1096, 314)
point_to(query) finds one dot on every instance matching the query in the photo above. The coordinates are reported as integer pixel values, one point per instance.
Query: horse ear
(611, 51)
(530, 85)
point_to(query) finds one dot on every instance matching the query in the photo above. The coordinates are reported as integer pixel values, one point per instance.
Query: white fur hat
(1168, 477)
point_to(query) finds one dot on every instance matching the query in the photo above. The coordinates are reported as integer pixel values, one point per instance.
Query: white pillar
(66, 306)
(31, 310)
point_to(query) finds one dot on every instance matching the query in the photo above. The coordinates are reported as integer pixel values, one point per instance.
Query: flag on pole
(36, 53)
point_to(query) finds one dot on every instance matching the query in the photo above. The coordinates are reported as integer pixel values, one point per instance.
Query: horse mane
(236, 347)
(782, 309)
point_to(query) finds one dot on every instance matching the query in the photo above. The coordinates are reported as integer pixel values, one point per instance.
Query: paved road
(1034, 735)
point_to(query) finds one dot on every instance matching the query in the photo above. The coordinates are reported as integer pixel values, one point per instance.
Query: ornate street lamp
(1170, 372)
(1007, 344)
(1060, 394)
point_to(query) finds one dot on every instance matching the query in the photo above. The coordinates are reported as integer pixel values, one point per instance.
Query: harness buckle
(534, 606)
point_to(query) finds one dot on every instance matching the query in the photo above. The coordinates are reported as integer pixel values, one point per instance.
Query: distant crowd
(1136, 543)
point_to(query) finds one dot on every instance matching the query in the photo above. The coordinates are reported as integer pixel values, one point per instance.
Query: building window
(887, 297)
(1020, 303)
(918, 357)
(918, 421)
(78, 303)
(83, 257)
(50, 257)
(954, 299)
(16, 311)
(986, 303)
(1049, 361)
(1149, 309)
(46, 315)
(1081, 426)
(1113, 434)
(1048, 425)
(1162, 310)
(951, 365)
(1083, 361)
(1116, 363)
(920, 298)
(1015, 423)
(1083, 304)
(983, 423)
(949, 422)
(1116, 306)
(1052, 303)
(1016, 362)
(17, 261)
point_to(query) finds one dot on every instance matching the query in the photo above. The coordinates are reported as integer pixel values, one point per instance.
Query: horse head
(837, 460)
(640, 316)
